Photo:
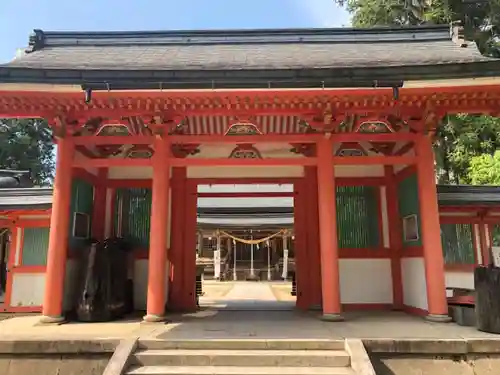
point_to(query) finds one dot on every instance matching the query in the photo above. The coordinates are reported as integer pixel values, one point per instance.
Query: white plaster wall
(365, 281)
(245, 172)
(399, 167)
(266, 150)
(414, 284)
(141, 283)
(80, 156)
(27, 289)
(460, 279)
(487, 233)
(477, 240)
(359, 171)
(130, 173)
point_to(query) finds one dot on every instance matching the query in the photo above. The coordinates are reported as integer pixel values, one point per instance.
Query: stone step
(221, 344)
(270, 358)
(235, 370)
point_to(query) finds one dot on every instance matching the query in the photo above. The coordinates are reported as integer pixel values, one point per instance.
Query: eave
(362, 77)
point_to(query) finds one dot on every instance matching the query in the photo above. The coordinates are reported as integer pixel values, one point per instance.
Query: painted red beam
(267, 194)
(184, 162)
(373, 160)
(239, 139)
(248, 139)
(113, 140)
(219, 162)
(129, 183)
(374, 137)
(111, 162)
(246, 181)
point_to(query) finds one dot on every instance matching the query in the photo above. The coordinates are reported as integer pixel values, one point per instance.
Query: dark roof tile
(246, 49)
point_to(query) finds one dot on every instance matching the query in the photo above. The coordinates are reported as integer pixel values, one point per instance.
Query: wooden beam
(219, 162)
(403, 150)
(239, 139)
(113, 140)
(373, 137)
(246, 139)
(267, 194)
(129, 183)
(111, 162)
(373, 160)
(245, 181)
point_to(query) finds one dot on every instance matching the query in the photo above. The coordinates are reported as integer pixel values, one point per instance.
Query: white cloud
(324, 13)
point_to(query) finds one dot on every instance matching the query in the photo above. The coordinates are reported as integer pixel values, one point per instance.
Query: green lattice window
(458, 243)
(35, 246)
(357, 217)
(132, 215)
(495, 235)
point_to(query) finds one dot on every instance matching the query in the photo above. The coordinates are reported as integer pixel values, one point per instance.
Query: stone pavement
(246, 310)
(246, 295)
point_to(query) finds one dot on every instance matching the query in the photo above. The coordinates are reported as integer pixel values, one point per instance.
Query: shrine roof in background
(247, 59)
(25, 199)
(457, 195)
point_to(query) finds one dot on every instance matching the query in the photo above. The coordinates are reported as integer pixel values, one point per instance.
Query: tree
(481, 18)
(27, 144)
(485, 169)
(460, 137)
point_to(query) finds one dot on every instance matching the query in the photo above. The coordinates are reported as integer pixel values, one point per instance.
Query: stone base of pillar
(151, 318)
(332, 318)
(438, 318)
(51, 320)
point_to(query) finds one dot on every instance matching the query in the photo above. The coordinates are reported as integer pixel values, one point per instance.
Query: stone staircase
(242, 357)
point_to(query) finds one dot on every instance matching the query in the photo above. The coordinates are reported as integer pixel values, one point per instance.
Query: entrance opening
(245, 247)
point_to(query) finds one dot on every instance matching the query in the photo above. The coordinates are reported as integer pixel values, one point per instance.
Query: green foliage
(460, 137)
(481, 18)
(485, 169)
(27, 145)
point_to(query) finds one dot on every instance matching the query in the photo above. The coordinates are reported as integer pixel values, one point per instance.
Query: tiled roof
(27, 198)
(10, 178)
(467, 194)
(189, 56)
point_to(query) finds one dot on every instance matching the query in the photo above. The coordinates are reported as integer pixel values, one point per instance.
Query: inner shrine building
(337, 113)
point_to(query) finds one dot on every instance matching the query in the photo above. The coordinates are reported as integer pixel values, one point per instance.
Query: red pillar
(330, 277)
(431, 232)
(158, 233)
(300, 246)
(99, 209)
(395, 236)
(178, 228)
(189, 250)
(313, 237)
(59, 232)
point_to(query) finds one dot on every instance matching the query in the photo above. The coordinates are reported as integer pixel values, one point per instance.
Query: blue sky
(19, 17)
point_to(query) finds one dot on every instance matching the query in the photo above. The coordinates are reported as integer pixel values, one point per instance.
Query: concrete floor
(237, 313)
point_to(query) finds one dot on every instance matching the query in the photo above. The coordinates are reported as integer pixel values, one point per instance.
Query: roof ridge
(40, 39)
